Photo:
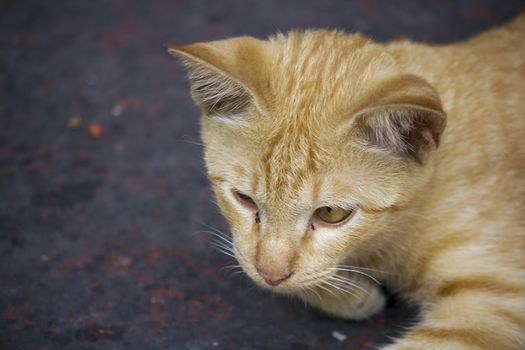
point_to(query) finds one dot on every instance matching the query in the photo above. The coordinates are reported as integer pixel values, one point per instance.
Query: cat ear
(403, 116)
(226, 76)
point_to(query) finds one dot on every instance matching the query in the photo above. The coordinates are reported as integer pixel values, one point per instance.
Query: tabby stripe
(479, 283)
(511, 317)
(436, 250)
(316, 190)
(468, 336)
(255, 184)
(215, 178)
(239, 171)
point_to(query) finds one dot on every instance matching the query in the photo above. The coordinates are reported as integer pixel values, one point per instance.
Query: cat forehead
(288, 166)
(314, 76)
(319, 72)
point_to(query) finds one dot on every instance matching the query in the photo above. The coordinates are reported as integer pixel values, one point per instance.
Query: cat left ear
(404, 117)
(226, 76)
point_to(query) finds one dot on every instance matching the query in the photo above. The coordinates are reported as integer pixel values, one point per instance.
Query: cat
(341, 163)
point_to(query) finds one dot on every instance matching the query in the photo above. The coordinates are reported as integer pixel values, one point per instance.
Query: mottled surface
(99, 238)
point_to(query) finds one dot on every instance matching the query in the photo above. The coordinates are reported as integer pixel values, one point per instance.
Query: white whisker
(193, 142)
(315, 276)
(223, 250)
(357, 271)
(348, 282)
(222, 244)
(218, 232)
(240, 272)
(326, 289)
(360, 268)
(341, 288)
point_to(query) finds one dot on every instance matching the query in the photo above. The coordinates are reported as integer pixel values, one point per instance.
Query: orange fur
(323, 118)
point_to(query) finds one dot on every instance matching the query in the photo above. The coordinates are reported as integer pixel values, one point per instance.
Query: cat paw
(370, 301)
(367, 306)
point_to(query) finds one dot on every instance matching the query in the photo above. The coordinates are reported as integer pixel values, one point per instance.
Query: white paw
(350, 306)
(367, 306)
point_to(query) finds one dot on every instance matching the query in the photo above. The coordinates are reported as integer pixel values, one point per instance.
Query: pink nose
(274, 279)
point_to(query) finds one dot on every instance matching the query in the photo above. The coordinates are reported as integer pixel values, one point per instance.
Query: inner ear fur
(403, 116)
(226, 76)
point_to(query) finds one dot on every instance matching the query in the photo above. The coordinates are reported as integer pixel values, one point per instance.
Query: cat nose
(274, 279)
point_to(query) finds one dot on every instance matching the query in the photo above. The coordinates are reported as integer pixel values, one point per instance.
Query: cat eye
(332, 215)
(245, 200)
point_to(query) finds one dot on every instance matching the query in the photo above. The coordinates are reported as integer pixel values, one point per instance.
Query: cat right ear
(226, 76)
(402, 116)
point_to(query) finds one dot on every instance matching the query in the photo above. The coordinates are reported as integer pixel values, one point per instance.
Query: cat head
(312, 141)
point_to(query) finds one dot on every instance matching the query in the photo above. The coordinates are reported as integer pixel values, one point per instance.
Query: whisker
(357, 271)
(193, 142)
(316, 293)
(213, 201)
(326, 289)
(240, 272)
(224, 244)
(349, 283)
(315, 276)
(220, 236)
(311, 289)
(340, 288)
(222, 250)
(226, 253)
(361, 268)
(217, 231)
(231, 267)
(344, 286)
(231, 270)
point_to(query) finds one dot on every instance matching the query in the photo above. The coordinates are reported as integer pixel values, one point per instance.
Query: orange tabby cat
(329, 157)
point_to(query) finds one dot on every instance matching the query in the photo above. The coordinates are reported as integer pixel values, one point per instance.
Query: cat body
(340, 162)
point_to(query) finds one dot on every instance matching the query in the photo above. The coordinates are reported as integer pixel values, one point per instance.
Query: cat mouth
(295, 284)
(326, 281)
(333, 279)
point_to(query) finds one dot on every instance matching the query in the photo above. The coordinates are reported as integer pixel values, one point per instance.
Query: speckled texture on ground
(99, 238)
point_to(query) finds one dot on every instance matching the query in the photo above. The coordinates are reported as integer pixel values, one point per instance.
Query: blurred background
(103, 195)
